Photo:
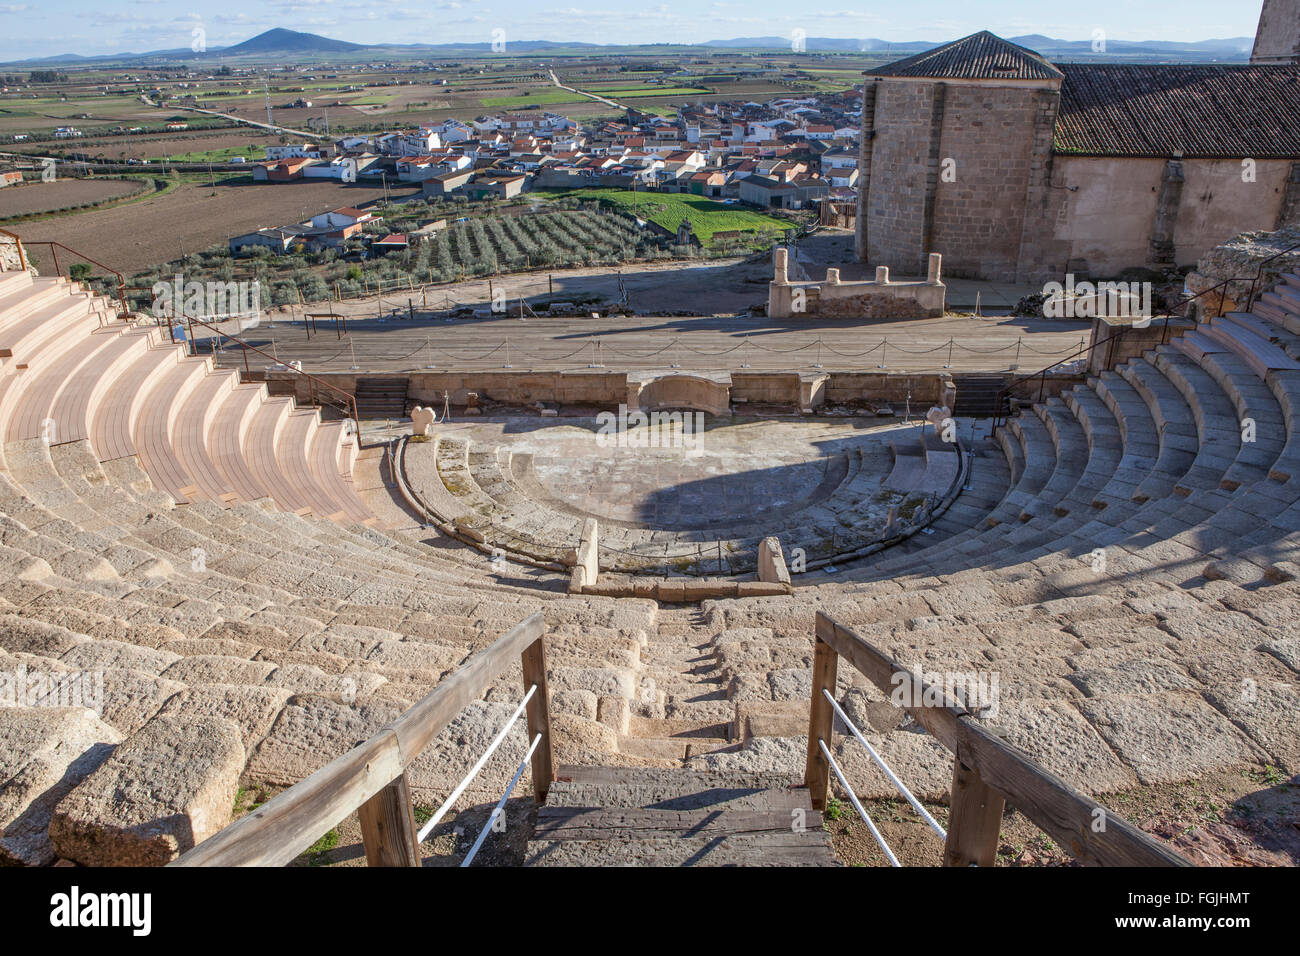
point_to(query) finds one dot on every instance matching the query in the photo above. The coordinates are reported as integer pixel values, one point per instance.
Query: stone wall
(966, 169)
(880, 298)
(952, 168)
(979, 217)
(1133, 343)
(892, 188)
(1277, 38)
(1108, 209)
(709, 393)
(1240, 259)
(891, 388)
(804, 391)
(10, 256)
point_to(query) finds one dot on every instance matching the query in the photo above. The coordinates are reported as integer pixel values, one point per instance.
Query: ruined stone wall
(876, 299)
(10, 257)
(1241, 259)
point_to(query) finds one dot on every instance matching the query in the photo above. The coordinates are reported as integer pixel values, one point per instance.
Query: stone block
(164, 790)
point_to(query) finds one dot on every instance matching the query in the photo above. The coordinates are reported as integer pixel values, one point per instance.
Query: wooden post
(539, 718)
(975, 820)
(388, 828)
(821, 723)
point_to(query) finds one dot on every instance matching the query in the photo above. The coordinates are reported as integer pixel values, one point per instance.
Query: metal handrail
(999, 418)
(348, 404)
(474, 770)
(1220, 287)
(880, 762)
(54, 246)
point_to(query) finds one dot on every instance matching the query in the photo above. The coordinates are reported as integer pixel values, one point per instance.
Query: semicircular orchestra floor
(682, 493)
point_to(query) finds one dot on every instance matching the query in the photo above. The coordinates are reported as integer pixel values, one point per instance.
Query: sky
(34, 28)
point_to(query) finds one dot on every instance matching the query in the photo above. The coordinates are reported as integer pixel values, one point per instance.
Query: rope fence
(595, 349)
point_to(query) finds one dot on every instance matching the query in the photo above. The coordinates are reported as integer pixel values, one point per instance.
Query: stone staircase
(381, 398)
(615, 816)
(977, 395)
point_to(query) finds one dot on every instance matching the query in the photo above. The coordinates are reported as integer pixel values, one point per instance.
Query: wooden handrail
(370, 778)
(987, 771)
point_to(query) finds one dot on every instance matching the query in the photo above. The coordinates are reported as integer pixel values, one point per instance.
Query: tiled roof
(1202, 110)
(980, 56)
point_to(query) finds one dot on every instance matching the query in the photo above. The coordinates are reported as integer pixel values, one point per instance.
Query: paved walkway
(706, 343)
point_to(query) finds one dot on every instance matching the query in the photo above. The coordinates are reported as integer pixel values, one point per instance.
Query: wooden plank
(1062, 812)
(975, 822)
(592, 823)
(533, 660)
(821, 722)
(278, 831)
(388, 828)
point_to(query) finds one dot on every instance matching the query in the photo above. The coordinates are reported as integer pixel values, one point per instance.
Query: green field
(640, 91)
(250, 153)
(539, 98)
(669, 209)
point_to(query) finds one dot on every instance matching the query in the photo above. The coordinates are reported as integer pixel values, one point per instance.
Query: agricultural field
(543, 97)
(366, 98)
(482, 246)
(41, 111)
(65, 194)
(669, 209)
(231, 141)
(224, 154)
(143, 233)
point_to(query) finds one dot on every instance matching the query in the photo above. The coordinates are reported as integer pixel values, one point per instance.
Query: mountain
(279, 43)
(1233, 48)
(280, 40)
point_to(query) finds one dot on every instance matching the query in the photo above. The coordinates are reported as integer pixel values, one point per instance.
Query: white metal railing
(500, 807)
(857, 804)
(473, 772)
(892, 777)
(880, 762)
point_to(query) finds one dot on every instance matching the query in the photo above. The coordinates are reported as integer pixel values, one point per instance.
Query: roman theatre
(652, 584)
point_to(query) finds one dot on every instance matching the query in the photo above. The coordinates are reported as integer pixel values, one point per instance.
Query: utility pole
(267, 90)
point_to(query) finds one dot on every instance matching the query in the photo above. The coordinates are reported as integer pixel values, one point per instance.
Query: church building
(1018, 169)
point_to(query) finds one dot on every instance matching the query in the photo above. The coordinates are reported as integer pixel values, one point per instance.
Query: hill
(280, 40)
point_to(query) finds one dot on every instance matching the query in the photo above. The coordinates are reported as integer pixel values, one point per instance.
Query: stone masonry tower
(1277, 40)
(957, 159)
